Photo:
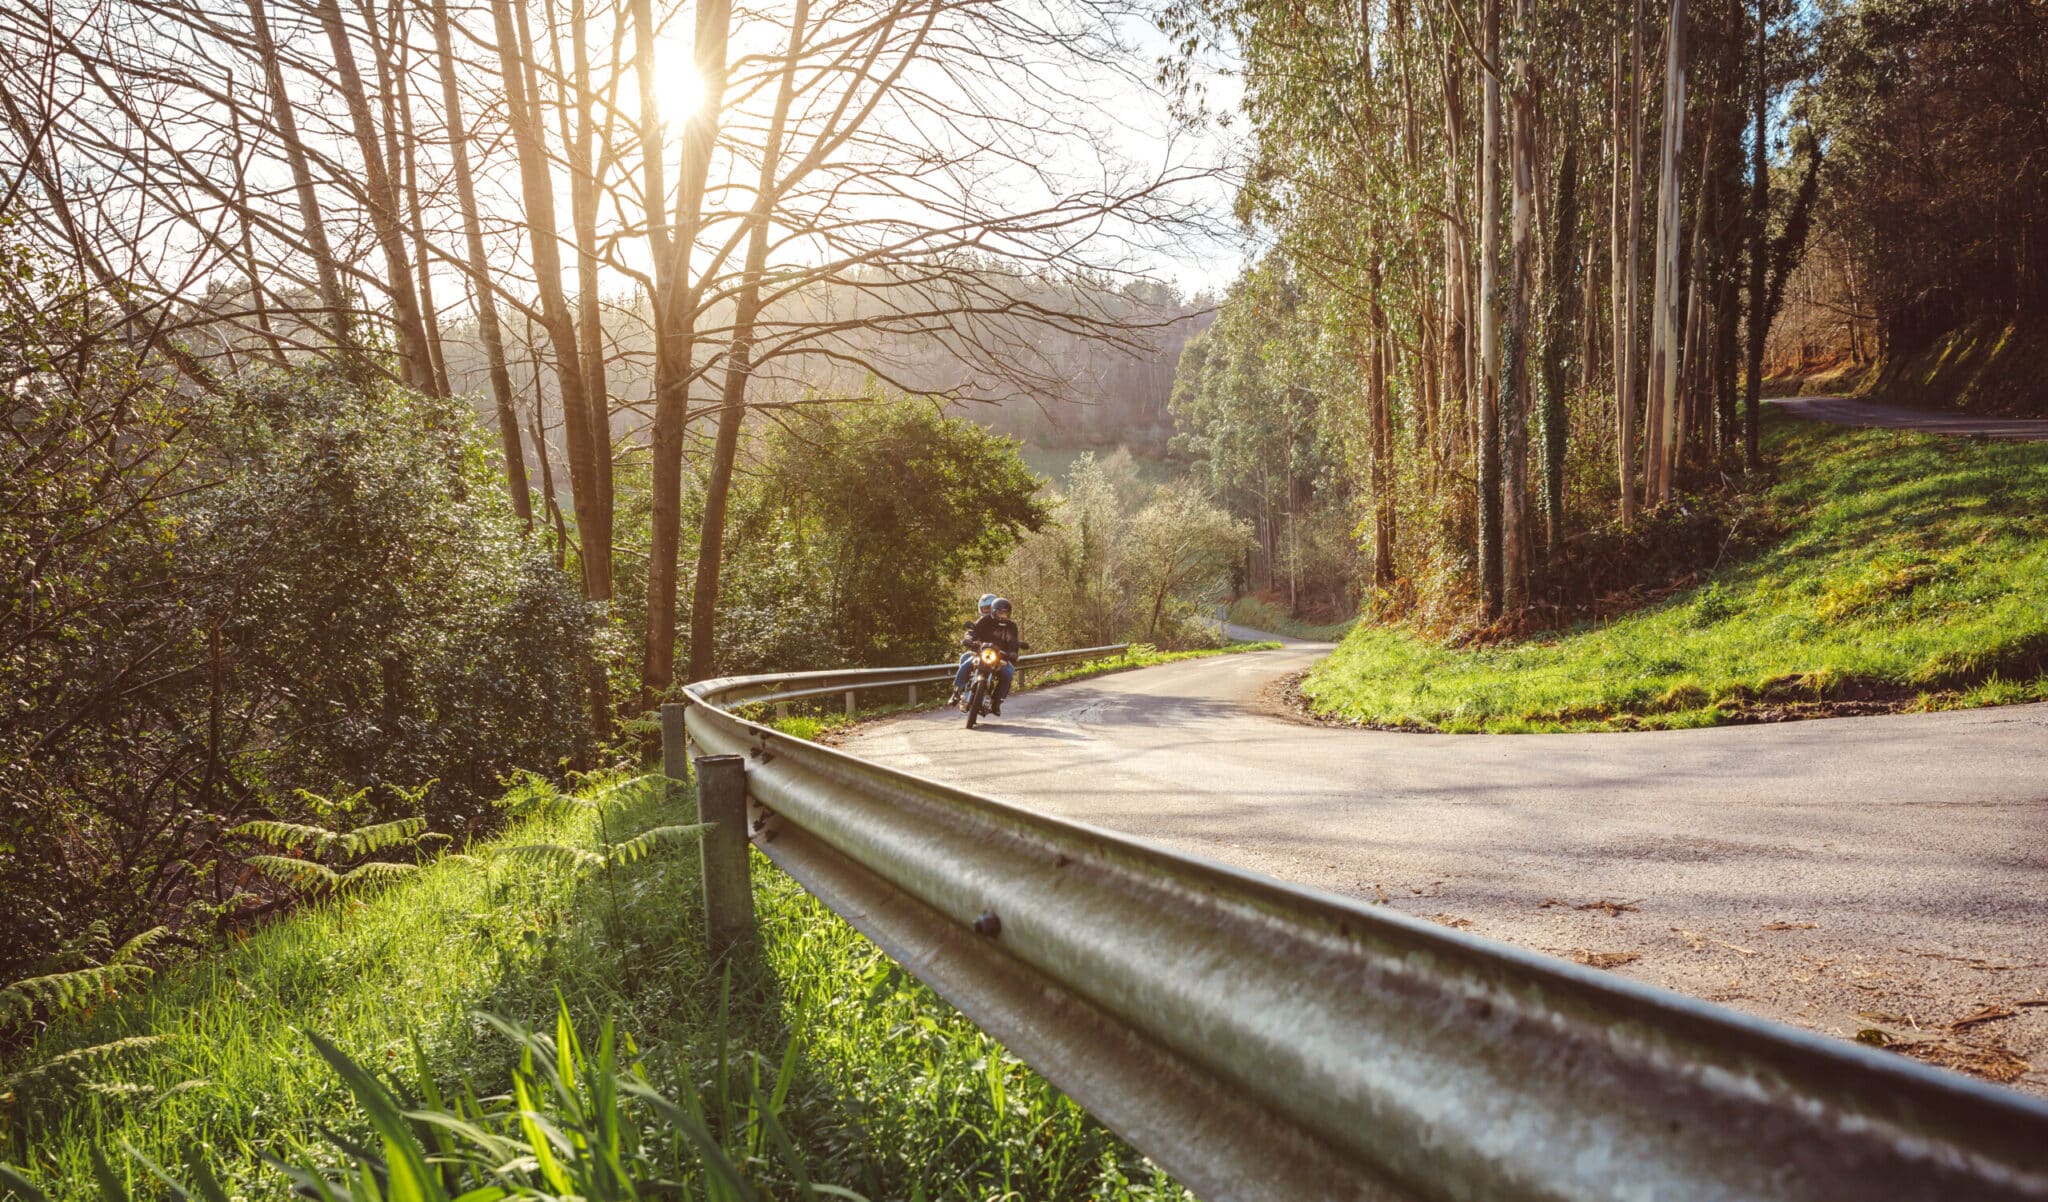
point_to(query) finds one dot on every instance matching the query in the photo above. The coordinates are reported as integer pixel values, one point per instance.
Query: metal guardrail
(1268, 1041)
(804, 686)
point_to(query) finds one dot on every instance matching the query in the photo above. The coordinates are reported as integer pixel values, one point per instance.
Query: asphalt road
(1849, 411)
(1847, 874)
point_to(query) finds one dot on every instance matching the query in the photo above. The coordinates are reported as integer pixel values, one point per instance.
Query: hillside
(1911, 573)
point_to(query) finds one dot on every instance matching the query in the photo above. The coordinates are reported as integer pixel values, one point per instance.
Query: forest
(1523, 264)
(403, 398)
(401, 395)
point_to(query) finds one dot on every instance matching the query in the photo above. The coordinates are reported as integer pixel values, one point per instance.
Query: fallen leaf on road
(1876, 1038)
(1613, 909)
(1790, 926)
(1593, 959)
(1451, 921)
(1989, 1014)
(1886, 1016)
(1991, 1061)
(1974, 962)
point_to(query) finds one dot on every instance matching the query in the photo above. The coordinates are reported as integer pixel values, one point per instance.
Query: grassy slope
(1913, 572)
(898, 1095)
(1985, 367)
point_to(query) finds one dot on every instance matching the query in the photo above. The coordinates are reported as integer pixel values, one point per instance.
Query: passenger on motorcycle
(997, 629)
(982, 608)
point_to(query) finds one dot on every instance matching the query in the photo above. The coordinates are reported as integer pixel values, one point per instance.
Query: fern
(335, 862)
(532, 795)
(290, 836)
(54, 993)
(73, 1069)
(609, 855)
(576, 859)
(366, 840)
(646, 842)
(614, 855)
(374, 872)
(308, 875)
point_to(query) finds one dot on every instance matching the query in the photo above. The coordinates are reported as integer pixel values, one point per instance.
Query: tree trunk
(423, 264)
(1514, 371)
(1664, 328)
(1455, 387)
(579, 138)
(1628, 367)
(1380, 406)
(543, 454)
(415, 363)
(1563, 299)
(1693, 283)
(1488, 434)
(675, 317)
(315, 227)
(489, 332)
(537, 190)
(1759, 228)
(249, 265)
(738, 370)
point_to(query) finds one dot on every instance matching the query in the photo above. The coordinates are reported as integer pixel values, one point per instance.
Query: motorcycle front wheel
(974, 699)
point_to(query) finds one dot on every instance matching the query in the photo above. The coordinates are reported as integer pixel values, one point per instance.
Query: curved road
(1851, 411)
(1841, 874)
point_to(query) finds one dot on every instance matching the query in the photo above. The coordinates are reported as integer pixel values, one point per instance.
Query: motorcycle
(988, 672)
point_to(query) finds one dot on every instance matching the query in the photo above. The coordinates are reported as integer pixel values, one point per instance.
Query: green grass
(1912, 572)
(1985, 366)
(1264, 616)
(894, 1094)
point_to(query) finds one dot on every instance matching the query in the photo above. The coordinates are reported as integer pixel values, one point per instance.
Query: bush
(304, 579)
(849, 547)
(378, 602)
(1111, 570)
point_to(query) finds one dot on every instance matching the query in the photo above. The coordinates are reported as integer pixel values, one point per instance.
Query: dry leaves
(1452, 921)
(1989, 1014)
(1982, 1056)
(1991, 1061)
(1790, 926)
(1613, 909)
(1593, 959)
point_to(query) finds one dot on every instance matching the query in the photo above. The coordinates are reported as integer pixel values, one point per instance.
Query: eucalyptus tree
(1447, 245)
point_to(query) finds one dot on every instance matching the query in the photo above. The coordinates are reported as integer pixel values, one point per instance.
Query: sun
(680, 87)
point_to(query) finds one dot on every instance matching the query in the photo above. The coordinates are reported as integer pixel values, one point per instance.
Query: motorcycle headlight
(989, 656)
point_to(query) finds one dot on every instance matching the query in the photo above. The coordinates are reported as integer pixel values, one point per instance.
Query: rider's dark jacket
(992, 629)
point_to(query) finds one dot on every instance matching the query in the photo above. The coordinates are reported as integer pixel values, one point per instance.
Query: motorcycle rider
(998, 629)
(982, 608)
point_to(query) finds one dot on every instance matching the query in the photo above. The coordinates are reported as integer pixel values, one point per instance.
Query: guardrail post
(913, 694)
(849, 703)
(782, 711)
(728, 889)
(675, 750)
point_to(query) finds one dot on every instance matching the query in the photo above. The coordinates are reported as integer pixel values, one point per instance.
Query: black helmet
(1002, 605)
